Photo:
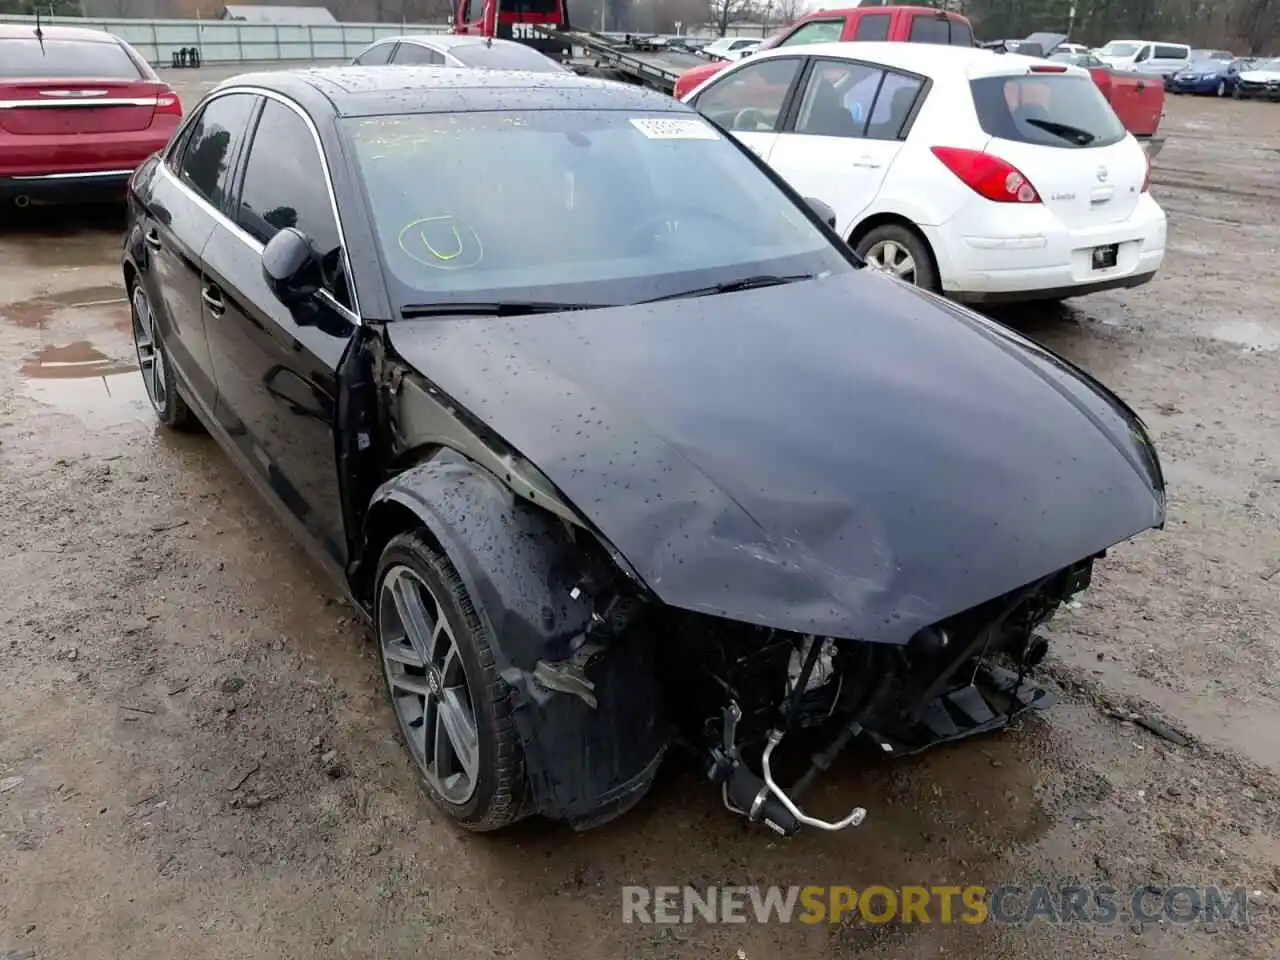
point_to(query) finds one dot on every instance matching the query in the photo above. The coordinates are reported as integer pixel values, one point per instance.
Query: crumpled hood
(844, 456)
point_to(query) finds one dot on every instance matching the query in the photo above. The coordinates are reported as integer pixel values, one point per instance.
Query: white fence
(228, 41)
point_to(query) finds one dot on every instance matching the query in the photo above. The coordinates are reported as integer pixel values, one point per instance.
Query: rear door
(749, 101)
(183, 203)
(71, 107)
(839, 142)
(1060, 132)
(276, 367)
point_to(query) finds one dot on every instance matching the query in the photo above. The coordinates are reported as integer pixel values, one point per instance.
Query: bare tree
(724, 12)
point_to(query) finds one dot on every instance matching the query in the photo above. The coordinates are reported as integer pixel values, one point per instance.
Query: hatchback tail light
(168, 104)
(988, 175)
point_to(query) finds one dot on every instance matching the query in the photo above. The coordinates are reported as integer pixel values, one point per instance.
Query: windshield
(1049, 109)
(505, 56)
(1208, 64)
(1119, 50)
(566, 206)
(66, 58)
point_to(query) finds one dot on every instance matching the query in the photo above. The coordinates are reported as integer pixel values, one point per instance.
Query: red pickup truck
(1137, 101)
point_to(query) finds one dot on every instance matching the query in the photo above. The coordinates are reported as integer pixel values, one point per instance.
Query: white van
(1144, 56)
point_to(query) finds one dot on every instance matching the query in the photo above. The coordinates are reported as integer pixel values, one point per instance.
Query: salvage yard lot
(195, 759)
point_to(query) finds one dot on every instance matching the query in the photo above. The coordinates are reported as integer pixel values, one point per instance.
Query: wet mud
(195, 759)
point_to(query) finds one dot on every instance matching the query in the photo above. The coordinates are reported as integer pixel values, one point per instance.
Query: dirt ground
(195, 759)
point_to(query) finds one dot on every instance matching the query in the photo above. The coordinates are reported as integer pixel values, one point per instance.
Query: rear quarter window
(1052, 110)
(99, 60)
(931, 28)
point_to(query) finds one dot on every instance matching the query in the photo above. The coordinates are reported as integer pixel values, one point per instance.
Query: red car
(79, 111)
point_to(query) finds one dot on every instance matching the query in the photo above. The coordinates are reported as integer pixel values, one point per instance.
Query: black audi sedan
(614, 441)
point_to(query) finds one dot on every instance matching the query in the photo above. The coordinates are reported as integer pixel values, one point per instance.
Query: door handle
(866, 160)
(152, 239)
(213, 300)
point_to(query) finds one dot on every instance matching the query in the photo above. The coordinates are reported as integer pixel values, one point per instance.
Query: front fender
(529, 577)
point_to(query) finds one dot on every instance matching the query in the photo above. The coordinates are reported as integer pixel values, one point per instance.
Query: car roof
(446, 41)
(926, 59)
(17, 31)
(355, 91)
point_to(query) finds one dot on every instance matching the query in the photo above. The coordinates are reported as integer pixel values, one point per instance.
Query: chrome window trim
(66, 102)
(352, 314)
(76, 176)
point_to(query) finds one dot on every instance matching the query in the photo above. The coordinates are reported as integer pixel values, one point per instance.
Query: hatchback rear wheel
(900, 252)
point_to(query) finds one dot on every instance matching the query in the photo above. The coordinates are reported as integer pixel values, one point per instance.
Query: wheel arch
(891, 219)
(538, 587)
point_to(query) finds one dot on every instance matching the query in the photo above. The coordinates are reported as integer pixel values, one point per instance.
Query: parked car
(1085, 59)
(559, 419)
(985, 177)
(1261, 79)
(79, 110)
(1140, 56)
(729, 49)
(906, 24)
(1199, 55)
(448, 50)
(1212, 77)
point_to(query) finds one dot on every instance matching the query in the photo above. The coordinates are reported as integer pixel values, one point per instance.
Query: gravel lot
(195, 759)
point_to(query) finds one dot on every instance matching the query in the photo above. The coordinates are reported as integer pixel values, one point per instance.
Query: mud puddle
(79, 379)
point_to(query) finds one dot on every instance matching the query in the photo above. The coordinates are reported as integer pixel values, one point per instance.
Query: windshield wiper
(733, 286)
(492, 308)
(1077, 136)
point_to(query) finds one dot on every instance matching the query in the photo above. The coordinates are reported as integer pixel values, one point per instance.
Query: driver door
(750, 101)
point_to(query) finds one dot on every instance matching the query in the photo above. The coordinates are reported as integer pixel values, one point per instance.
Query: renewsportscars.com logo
(1007, 904)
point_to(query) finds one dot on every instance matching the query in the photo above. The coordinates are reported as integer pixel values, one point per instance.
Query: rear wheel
(452, 707)
(901, 252)
(153, 361)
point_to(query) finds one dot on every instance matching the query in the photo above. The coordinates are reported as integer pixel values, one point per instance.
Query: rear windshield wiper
(733, 286)
(1081, 138)
(492, 308)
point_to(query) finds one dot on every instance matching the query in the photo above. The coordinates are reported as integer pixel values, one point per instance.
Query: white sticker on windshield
(674, 128)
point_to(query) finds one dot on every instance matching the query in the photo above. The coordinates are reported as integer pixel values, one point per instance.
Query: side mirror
(823, 210)
(290, 267)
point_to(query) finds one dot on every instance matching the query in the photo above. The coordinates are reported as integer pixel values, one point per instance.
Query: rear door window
(1167, 52)
(815, 31)
(213, 145)
(101, 60)
(872, 27)
(1052, 110)
(838, 99)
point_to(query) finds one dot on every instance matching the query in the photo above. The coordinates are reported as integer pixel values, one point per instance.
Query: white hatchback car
(985, 176)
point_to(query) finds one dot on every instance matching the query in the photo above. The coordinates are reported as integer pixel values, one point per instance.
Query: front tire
(1222, 88)
(452, 708)
(156, 366)
(900, 252)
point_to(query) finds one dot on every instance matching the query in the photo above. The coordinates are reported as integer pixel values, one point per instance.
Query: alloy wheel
(1222, 88)
(428, 684)
(893, 258)
(150, 356)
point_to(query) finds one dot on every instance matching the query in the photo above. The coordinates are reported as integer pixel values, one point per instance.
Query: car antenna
(39, 32)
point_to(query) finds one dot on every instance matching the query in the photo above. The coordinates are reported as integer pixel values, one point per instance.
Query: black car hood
(844, 456)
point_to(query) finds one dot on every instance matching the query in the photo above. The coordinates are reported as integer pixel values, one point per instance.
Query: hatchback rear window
(1053, 110)
(21, 58)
